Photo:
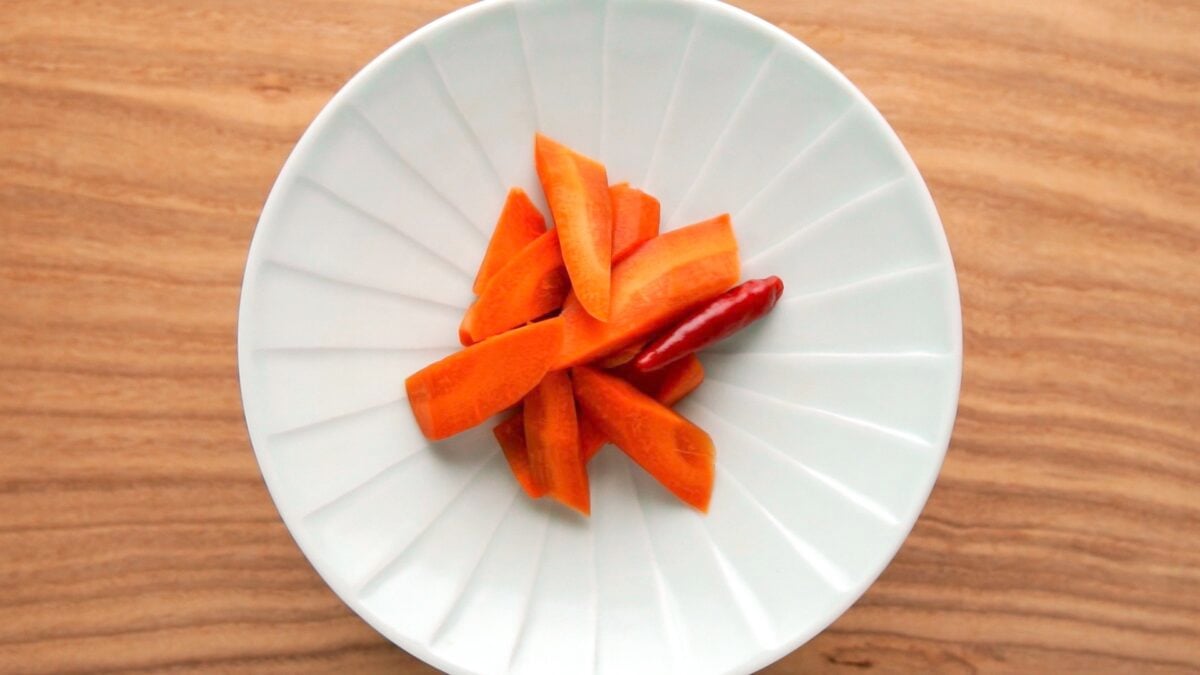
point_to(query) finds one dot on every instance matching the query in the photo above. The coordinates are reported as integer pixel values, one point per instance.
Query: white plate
(830, 418)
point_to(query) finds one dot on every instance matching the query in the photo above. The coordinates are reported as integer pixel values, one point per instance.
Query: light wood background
(1060, 138)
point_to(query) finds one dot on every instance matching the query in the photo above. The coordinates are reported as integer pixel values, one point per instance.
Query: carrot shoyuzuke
(588, 331)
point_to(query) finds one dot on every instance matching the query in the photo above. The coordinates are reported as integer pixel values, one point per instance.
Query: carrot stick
(576, 188)
(673, 450)
(552, 439)
(519, 224)
(667, 386)
(531, 285)
(659, 281)
(465, 388)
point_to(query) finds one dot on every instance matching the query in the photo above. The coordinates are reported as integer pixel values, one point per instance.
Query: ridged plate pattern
(831, 418)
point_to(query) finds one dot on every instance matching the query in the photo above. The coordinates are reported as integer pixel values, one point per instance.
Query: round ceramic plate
(830, 418)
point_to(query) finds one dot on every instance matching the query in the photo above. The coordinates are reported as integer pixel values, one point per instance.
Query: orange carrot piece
(552, 438)
(531, 285)
(510, 434)
(676, 452)
(679, 381)
(659, 281)
(519, 224)
(467, 387)
(668, 385)
(635, 219)
(576, 188)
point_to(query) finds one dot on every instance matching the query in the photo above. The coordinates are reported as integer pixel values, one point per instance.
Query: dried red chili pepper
(725, 315)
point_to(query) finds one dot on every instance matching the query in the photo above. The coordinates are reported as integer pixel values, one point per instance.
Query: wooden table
(1060, 138)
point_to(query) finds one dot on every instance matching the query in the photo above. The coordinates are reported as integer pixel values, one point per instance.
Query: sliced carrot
(519, 224)
(552, 437)
(467, 387)
(531, 285)
(673, 450)
(576, 188)
(510, 434)
(635, 219)
(681, 380)
(653, 286)
(668, 385)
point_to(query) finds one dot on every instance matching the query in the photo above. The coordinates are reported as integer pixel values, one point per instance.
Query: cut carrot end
(464, 336)
(635, 219)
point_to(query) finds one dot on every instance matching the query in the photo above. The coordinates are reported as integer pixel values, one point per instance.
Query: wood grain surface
(1060, 138)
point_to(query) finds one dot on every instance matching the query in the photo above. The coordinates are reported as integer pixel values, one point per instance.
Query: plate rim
(776, 35)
